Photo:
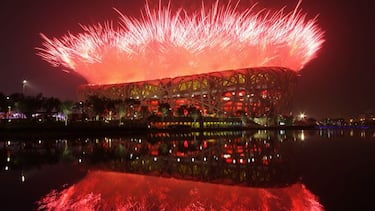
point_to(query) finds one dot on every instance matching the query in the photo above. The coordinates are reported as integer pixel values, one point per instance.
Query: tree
(96, 105)
(165, 110)
(51, 104)
(121, 110)
(130, 105)
(29, 105)
(67, 108)
(3, 103)
(182, 111)
(145, 113)
(14, 100)
(194, 113)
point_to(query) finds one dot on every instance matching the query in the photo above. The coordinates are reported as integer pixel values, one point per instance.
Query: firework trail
(163, 43)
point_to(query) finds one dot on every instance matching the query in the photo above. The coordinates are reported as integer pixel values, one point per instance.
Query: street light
(24, 83)
(302, 115)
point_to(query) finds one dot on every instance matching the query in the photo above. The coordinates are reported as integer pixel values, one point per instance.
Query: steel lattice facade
(254, 92)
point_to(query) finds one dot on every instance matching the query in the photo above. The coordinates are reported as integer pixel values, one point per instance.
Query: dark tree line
(94, 107)
(28, 105)
(101, 107)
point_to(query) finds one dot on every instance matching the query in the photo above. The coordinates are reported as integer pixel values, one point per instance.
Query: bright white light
(302, 135)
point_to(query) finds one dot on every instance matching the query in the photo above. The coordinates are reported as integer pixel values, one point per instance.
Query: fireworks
(165, 44)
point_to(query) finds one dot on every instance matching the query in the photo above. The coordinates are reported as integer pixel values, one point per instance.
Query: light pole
(24, 83)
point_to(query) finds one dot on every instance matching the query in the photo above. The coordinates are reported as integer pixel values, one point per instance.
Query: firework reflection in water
(101, 190)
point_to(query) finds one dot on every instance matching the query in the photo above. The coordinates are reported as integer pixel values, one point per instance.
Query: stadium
(253, 92)
(217, 62)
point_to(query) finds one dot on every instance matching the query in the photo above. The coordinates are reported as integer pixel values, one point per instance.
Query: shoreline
(97, 129)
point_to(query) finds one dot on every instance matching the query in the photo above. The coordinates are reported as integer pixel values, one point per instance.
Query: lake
(330, 169)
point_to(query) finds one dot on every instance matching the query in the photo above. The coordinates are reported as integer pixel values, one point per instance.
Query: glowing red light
(186, 144)
(166, 44)
(205, 144)
(119, 191)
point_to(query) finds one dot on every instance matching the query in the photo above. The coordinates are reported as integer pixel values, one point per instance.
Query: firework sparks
(165, 44)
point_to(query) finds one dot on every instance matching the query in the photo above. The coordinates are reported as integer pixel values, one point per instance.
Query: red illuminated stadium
(219, 60)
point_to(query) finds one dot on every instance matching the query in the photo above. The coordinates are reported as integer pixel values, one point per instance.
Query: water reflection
(101, 190)
(244, 159)
(211, 170)
(334, 133)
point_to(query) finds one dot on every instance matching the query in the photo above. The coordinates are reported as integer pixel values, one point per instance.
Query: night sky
(340, 82)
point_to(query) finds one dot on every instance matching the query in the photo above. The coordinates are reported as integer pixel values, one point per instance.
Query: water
(235, 170)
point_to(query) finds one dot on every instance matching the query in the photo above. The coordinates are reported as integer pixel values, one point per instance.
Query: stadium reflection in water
(190, 171)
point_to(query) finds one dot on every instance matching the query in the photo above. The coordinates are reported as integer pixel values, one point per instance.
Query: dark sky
(339, 82)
